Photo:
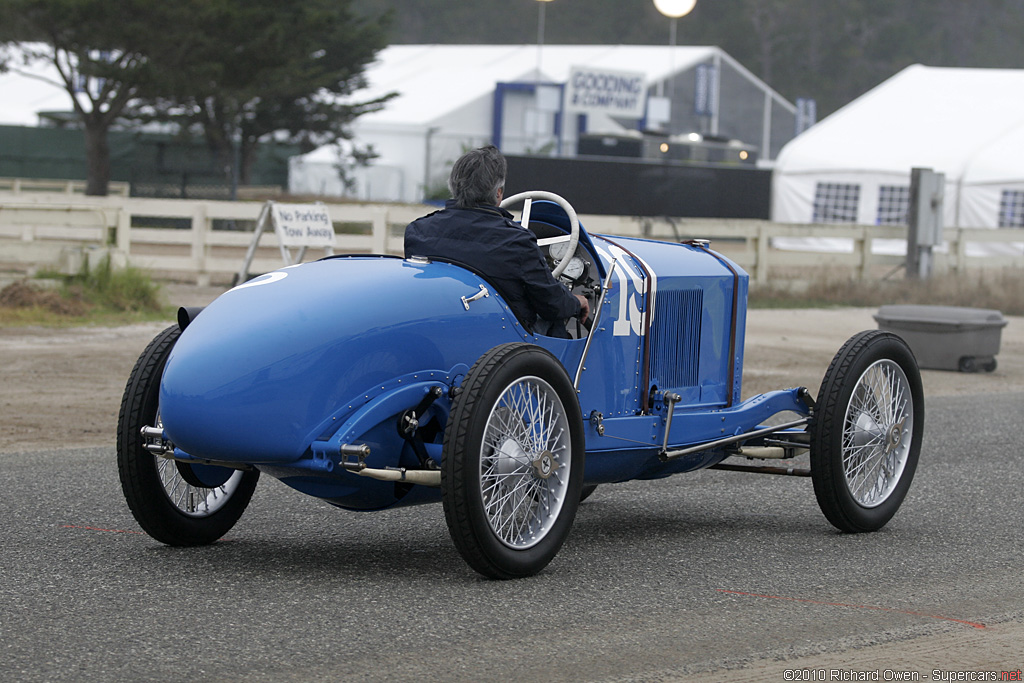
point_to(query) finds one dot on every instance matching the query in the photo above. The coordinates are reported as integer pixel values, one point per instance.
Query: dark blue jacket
(487, 240)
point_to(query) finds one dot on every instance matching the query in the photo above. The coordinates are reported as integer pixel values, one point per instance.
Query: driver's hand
(584, 308)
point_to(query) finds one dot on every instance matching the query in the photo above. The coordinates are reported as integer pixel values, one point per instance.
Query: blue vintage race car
(376, 381)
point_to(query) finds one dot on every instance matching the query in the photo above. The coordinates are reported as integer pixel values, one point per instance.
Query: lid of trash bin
(941, 315)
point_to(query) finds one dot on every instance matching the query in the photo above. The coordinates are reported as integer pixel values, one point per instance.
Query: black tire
(509, 505)
(866, 432)
(207, 501)
(587, 490)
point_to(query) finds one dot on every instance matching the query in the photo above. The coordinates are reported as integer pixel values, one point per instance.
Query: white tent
(25, 91)
(854, 166)
(447, 97)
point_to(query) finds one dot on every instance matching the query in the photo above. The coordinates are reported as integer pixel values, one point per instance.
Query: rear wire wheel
(512, 465)
(176, 503)
(867, 430)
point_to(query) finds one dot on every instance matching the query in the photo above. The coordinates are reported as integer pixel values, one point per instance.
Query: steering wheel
(574, 222)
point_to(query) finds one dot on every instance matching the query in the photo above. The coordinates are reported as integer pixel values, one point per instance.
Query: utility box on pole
(924, 220)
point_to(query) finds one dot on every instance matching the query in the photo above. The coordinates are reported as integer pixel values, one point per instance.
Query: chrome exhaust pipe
(422, 477)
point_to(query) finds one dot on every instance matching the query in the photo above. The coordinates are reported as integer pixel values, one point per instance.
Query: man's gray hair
(477, 176)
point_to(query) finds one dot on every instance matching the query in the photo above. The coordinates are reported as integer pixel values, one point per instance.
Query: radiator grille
(675, 338)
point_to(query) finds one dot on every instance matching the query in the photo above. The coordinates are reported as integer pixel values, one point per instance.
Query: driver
(472, 229)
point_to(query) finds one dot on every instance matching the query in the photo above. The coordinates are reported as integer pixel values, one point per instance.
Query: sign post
(297, 226)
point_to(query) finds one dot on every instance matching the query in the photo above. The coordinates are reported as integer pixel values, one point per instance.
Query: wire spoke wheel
(512, 464)
(525, 462)
(177, 503)
(867, 430)
(876, 434)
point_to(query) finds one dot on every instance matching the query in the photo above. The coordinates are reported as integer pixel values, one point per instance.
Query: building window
(1011, 209)
(893, 204)
(836, 203)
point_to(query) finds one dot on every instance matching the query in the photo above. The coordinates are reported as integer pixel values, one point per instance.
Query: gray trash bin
(947, 337)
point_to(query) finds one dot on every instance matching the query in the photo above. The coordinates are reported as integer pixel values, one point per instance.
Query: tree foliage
(104, 55)
(262, 68)
(239, 70)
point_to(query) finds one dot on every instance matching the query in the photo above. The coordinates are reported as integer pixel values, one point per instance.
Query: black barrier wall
(639, 188)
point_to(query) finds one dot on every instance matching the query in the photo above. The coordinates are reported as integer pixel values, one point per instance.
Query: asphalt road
(659, 580)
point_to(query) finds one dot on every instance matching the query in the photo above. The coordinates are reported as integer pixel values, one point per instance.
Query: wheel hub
(894, 438)
(868, 431)
(512, 457)
(544, 465)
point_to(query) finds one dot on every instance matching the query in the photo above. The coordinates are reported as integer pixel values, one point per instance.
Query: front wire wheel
(867, 430)
(176, 503)
(524, 463)
(876, 433)
(512, 467)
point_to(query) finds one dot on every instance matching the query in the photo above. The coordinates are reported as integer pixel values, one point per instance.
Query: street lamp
(543, 93)
(673, 9)
(540, 32)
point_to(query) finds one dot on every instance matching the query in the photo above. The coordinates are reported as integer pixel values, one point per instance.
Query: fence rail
(72, 187)
(206, 240)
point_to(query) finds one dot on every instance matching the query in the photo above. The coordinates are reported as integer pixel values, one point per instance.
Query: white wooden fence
(192, 239)
(72, 187)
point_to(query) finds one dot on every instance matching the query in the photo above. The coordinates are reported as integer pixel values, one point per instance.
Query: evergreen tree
(241, 70)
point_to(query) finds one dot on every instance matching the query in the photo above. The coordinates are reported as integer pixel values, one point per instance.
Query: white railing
(73, 187)
(176, 238)
(186, 239)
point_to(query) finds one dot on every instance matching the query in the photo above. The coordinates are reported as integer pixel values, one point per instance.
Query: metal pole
(236, 160)
(671, 54)
(540, 36)
(426, 158)
(715, 95)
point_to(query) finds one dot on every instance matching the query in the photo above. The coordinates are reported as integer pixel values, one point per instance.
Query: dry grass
(102, 296)
(23, 295)
(1002, 290)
